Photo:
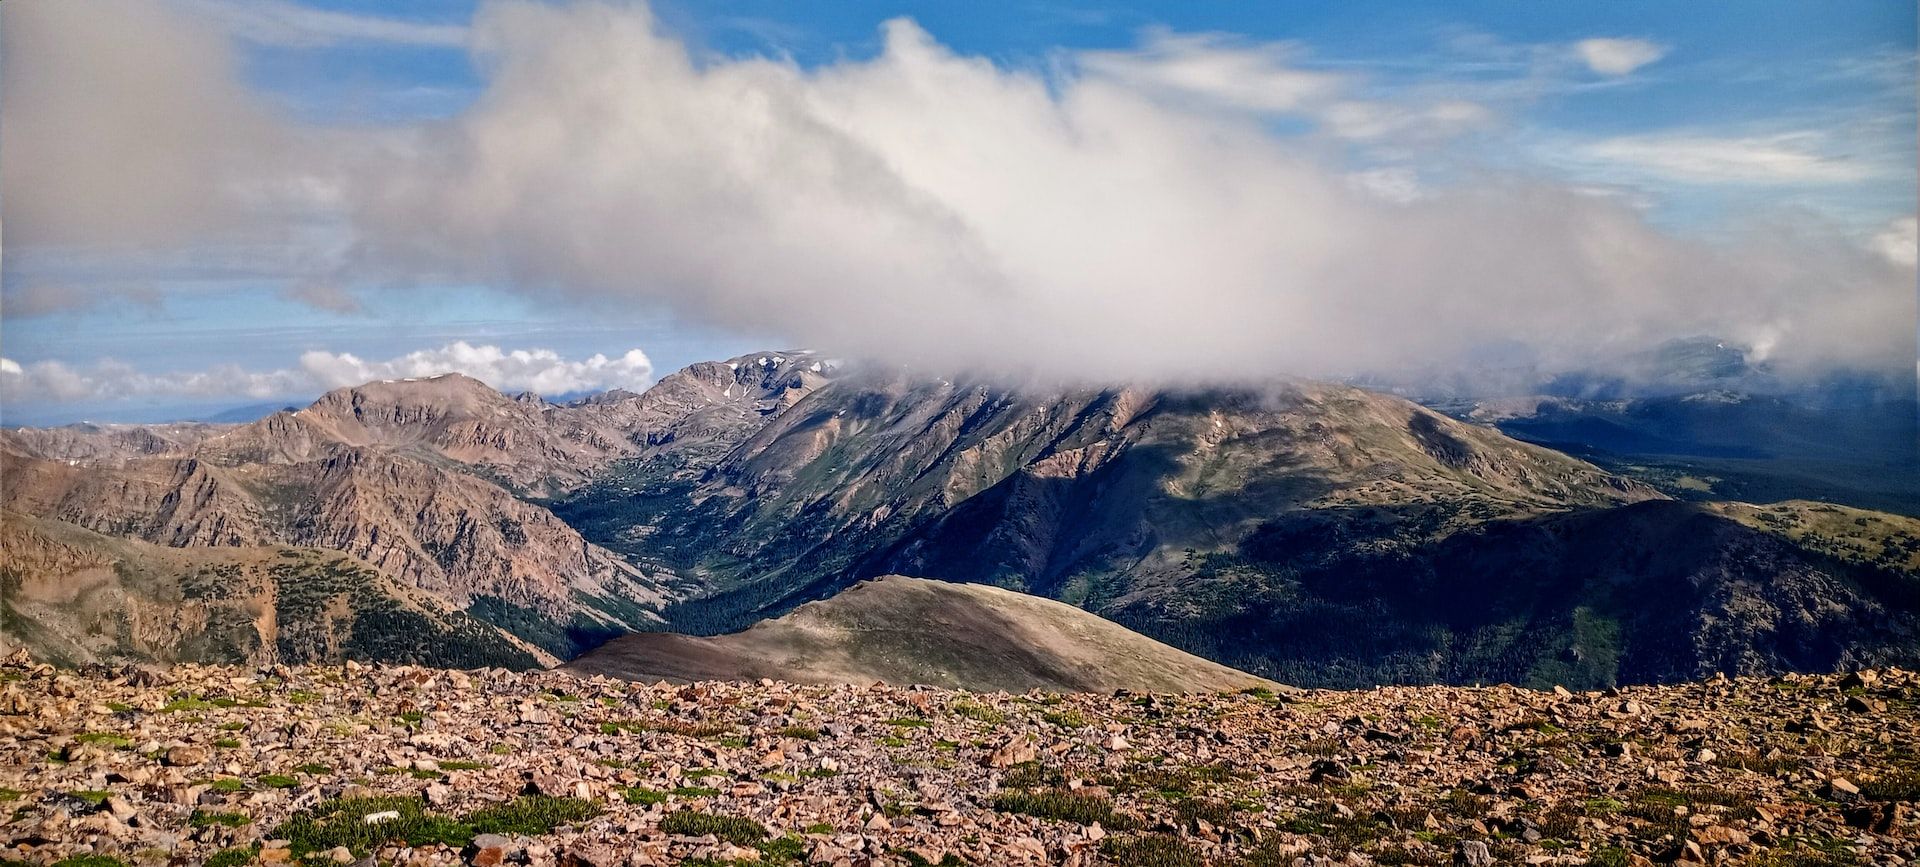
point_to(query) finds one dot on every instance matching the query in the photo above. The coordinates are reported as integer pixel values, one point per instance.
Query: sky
(210, 204)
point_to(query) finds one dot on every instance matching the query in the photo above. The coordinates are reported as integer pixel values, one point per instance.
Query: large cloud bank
(1120, 216)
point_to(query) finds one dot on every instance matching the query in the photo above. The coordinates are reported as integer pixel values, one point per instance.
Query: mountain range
(1304, 532)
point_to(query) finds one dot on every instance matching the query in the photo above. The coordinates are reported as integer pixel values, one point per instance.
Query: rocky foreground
(403, 765)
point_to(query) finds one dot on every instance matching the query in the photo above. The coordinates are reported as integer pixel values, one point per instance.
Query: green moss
(89, 861)
(800, 733)
(227, 744)
(228, 785)
(118, 742)
(460, 765)
(278, 781)
(92, 797)
(908, 722)
(735, 829)
(695, 792)
(314, 768)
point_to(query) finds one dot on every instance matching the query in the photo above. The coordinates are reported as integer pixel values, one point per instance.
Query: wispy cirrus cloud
(1787, 158)
(292, 25)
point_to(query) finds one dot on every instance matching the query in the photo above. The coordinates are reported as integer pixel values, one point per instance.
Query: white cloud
(1793, 158)
(1131, 215)
(1618, 56)
(1216, 71)
(126, 125)
(1900, 241)
(1371, 121)
(932, 207)
(281, 23)
(538, 370)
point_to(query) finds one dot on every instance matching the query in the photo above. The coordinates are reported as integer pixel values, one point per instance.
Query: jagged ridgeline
(1308, 533)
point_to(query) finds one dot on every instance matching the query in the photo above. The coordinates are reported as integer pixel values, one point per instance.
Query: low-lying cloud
(511, 370)
(1120, 215)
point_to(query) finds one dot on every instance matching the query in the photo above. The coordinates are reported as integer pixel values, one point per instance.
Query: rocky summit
(353, 764)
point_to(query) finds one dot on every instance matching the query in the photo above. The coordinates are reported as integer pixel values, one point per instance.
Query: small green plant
(641, 795)
(800, 733)
(205, 818)
(783, 850)
(109, 739)
(1084, 809)
(227, 744)
(235, 857)
(342, 822)
(278, 781)
(462, 765)
(91, 797)
(978, 712)
(228, 785)
(532, 815)
(695, 792)
(314, 769)
(1902, 785)
(1065, 719)
(734, 829)
(1151, 850)
(907, 722)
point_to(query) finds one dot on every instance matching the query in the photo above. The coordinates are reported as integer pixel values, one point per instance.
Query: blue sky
(1699, 124)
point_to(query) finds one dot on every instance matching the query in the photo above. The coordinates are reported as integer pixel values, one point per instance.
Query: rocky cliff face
(74, 597)
(424, 482)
